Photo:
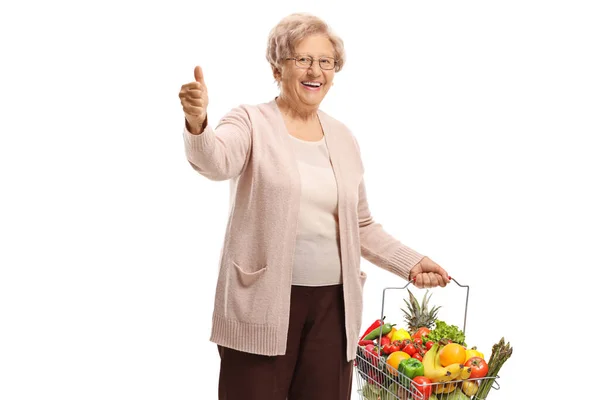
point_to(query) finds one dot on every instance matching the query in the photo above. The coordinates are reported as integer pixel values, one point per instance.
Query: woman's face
(305, 87)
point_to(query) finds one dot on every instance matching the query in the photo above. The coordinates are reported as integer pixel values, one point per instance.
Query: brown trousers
(314, 366)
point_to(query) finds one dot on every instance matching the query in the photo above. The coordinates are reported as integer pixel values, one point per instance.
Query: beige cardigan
(249, 147)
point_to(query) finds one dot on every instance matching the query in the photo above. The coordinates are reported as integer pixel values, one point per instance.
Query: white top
(317, 260)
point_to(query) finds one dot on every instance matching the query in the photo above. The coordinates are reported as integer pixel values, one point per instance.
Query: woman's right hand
(427, 274)
(194, 100)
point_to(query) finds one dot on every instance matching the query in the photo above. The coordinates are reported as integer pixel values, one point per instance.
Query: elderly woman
(288, 305)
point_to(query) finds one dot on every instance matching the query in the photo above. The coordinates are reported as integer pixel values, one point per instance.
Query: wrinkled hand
(194, 100)
(428, 274)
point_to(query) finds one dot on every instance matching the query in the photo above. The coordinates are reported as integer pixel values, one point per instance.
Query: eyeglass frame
(312, 60)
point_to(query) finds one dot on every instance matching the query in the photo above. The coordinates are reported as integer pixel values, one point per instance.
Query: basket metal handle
(412, 283)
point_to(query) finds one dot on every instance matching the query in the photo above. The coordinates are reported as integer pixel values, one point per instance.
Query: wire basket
(377, 380)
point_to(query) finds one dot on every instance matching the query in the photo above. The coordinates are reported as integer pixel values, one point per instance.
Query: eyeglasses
(326, 63)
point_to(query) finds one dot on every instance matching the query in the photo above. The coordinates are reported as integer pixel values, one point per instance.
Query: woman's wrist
(196, 130)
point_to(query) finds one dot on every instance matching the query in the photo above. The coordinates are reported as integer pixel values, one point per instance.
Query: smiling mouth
(312, 84)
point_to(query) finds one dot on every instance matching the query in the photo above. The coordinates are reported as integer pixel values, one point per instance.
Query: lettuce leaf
(444, 331)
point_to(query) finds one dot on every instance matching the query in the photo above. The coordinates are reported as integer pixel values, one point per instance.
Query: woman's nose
(314, 69)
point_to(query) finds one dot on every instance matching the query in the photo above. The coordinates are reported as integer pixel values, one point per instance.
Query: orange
(393, 361)
(452, 353)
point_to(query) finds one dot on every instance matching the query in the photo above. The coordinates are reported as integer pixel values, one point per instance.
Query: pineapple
(419, 315)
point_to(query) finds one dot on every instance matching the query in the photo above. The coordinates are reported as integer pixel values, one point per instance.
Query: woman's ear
(276, 74)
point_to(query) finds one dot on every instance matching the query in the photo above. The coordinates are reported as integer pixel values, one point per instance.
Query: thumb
(198, 74)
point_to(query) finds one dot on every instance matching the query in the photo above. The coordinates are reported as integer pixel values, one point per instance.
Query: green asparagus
(501, 352)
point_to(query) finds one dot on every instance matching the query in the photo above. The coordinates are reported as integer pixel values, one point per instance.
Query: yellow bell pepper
(473, 352)
(391, 334)
(400, 335)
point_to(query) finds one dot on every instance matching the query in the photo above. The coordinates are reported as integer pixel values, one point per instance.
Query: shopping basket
(376, 380)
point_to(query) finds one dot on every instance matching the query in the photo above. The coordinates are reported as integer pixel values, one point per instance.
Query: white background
(476, 120)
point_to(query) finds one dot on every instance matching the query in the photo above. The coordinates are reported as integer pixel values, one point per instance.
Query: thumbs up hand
(194, 100)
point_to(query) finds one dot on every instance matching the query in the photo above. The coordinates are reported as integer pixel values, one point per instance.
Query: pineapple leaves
(418, 315)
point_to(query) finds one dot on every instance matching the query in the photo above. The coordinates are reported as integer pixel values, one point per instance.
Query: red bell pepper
(374, 325)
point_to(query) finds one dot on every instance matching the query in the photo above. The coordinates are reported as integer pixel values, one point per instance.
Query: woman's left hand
(427, 274)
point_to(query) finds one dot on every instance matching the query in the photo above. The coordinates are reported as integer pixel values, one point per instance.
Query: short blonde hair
(284, 37)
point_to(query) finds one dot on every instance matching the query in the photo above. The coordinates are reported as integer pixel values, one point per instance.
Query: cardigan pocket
(250, 298)
(363, 278)
(248, 278)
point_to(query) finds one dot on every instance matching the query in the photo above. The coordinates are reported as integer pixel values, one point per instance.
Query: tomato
(410, 349)
(418, 341)
(418, 356)
(428, 344)
(479, 367)
(391, 348)
(403, 343)
(384, 340)
(452, 353)
(422, 331)
(423, 386)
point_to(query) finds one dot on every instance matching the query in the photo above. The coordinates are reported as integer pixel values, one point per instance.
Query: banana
(429, 361)
(431, 366)
(454, 371)
(466, 373)
(434, 370)
(444, 388)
